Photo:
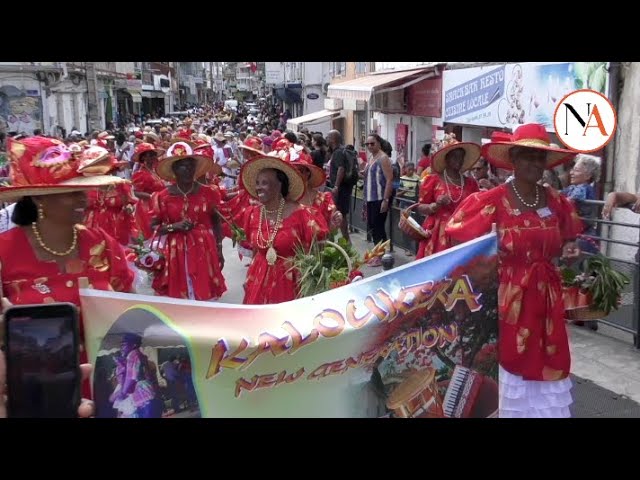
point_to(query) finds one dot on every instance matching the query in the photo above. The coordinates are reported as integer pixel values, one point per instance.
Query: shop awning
(291, 93)
(362, 88)
(137, 98)
(311, 118)
(152, 94)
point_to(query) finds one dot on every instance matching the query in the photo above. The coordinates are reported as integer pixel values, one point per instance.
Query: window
(164, 83)
(337, 69)
(362, 67)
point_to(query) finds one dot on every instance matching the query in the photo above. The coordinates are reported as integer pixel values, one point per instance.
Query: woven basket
(342, 251)
(410, 227)
(584, 314)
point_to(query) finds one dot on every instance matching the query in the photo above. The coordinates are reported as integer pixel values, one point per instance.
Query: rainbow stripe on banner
(416, 341)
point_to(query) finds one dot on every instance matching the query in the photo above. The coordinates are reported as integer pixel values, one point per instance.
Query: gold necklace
(36, 233)
(193, 185)
(263, 243)
(448, 181)
(185, 205)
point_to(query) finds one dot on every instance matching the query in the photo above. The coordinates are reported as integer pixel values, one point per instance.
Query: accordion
(462, 394)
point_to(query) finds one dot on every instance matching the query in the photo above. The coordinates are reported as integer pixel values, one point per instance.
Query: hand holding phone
(42, 360)
(86, 409)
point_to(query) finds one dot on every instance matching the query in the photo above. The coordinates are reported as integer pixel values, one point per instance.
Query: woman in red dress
(275, 228)
(111, 208)
(314, 178)
(443, 191)
(42, 259)
(186, 214)
(146, 182)
(211, 181)
(535, 225)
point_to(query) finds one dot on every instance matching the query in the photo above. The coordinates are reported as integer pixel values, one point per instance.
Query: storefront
(290, 96)
(153, 103)
(390, 103)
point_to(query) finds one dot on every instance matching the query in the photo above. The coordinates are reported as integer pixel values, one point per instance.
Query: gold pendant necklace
(271, 255)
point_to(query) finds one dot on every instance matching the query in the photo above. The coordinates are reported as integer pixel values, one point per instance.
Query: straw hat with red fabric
(46, 166)
(532, 136)
(298, 157)
(144, 148)
(180, 150)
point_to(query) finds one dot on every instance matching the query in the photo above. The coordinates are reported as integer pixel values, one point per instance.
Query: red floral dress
(324, 204)
(192, 263)
(278, 283)
(145, 181)
(113, 210)
(28, 280)
(431, 189)
(237, 208)
(223, 208)
(533, 339)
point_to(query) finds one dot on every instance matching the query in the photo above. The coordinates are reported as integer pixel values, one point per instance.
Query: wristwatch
(170, 227)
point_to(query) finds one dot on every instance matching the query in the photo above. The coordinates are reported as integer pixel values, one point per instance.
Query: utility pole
(92, 97)
(212, 81)
(178, 107)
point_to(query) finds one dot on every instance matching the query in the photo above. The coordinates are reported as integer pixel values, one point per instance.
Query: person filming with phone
(43, 258)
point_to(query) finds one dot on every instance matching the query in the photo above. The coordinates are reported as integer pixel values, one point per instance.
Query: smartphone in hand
(42, 348)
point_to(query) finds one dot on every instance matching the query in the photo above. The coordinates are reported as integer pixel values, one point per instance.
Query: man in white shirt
(124, 152)
(220, 157)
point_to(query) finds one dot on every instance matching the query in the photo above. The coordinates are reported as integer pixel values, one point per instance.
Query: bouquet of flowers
(149, 258)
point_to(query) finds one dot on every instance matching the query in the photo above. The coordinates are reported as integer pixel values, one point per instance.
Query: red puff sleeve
(212, 196)
(248, 220)
(156, 204)
(121, 277)
(474, 217)
(428, 188)
(326, 206)
(312, 225)
(127, 192)
(140, 181)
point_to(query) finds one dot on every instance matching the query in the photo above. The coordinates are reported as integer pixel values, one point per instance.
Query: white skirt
(533, 399)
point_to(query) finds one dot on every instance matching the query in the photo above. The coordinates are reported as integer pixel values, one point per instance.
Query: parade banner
(514, 94)
(416, 341)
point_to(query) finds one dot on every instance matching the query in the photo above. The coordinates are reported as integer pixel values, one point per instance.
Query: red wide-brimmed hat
(252, 147)
(530, 135)
(145, 147)
(206, 150)
(46, 166)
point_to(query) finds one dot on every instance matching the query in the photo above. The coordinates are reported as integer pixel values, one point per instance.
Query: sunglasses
(370, 143)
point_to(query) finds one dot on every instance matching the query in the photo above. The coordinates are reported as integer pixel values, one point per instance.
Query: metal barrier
(627, 317)
(402, 199)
